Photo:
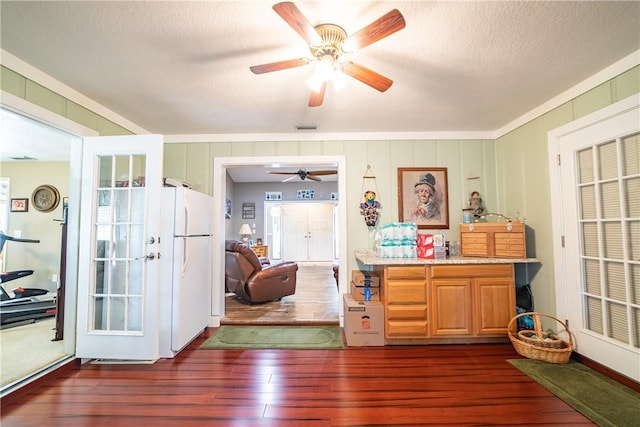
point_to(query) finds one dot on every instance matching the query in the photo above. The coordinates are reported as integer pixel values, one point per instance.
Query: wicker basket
(553, 351)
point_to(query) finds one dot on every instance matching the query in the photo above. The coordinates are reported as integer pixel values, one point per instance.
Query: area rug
(278, 337)
(599, 398)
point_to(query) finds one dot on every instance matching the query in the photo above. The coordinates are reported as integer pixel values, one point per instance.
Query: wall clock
(45, 198)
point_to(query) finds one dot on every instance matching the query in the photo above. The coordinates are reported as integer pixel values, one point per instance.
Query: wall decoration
(334, 196)
(369, 206)
(306, 194)
(248, 210)
(273, 195)
(19, 205)
(45, 198)
(423, 197)
(227, 208)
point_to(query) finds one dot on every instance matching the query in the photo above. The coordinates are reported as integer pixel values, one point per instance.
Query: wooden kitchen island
(444, 301)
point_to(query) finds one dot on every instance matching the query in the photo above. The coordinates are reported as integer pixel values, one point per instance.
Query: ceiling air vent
(306, 127)
(23, 158)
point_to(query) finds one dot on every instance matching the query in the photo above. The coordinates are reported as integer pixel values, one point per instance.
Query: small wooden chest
(493, 239)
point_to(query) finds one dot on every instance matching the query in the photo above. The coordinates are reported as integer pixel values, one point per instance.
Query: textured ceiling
(178, 68)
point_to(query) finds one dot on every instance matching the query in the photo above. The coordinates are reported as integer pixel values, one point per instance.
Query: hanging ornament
(369, 207)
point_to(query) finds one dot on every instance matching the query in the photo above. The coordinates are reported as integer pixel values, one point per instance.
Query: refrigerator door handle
(186, 216)
(185, 256)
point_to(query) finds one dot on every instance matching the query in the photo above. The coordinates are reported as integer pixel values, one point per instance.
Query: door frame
(46, 117)
(219, 186)
(617, 357)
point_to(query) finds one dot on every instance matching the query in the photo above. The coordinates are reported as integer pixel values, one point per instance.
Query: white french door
(308, 231)
(597, 210)
(118, 291)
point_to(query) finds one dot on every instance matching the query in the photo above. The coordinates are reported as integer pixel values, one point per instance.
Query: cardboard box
(363, 322)
(363, 278)
(357, 292)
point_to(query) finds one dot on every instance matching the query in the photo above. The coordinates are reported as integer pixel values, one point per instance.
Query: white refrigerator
(185, 263)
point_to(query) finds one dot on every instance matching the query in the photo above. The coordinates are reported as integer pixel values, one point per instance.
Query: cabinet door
(451, 307)
(494, 305)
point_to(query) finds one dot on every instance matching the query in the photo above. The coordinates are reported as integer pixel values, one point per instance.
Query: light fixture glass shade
(314, 82)
(324, 68)
(323, 72)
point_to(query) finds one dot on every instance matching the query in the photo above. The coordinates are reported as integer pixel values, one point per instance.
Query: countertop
(368, 257)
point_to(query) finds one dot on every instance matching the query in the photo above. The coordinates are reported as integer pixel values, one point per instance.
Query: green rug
(599, 398)
(290, 337)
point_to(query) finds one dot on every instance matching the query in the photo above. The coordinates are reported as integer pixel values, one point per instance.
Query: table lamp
(245, 232)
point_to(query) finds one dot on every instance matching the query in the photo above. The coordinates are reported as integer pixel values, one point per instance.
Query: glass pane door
(119, 246)
(119, 286)
(609, 204)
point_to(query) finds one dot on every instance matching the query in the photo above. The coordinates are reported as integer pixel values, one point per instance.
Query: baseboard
(608, 372)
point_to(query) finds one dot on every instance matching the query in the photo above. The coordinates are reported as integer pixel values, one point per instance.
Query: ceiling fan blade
(277, 66)
(367, 76)
(325, 172)
(283, 173)
(316, 98)
(380, 28)
(288, 179)
(296, 20)
(313, 178)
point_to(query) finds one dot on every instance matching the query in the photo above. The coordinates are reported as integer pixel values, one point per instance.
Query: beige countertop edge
(368, 257)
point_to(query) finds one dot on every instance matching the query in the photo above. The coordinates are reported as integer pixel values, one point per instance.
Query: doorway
(220, 176)
(50, 354)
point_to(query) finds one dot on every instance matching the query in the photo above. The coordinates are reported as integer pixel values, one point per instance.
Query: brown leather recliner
(247, 277)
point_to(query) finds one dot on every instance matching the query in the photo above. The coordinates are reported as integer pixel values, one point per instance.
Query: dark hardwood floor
(357, 386)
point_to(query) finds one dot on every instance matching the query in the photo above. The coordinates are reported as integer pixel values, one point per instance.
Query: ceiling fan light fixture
(324, 71)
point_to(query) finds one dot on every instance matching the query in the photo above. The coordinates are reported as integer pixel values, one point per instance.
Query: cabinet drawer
(475, 250)
(509, 238)
(406, 329)
(407, 312)
(406, 292)
(405, 273)
(474, 238)
(510, 251)
(471, 271)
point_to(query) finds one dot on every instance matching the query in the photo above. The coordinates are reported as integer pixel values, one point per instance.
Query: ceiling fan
(327, 45)
(305, 174)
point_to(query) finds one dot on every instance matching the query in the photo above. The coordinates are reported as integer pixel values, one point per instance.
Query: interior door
(308, 231)
(118, 291)
(294, 232)
(600, 187)
(320, 231)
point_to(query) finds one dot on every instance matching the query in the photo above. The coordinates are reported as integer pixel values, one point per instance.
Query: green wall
(522, 162)
(27, 89)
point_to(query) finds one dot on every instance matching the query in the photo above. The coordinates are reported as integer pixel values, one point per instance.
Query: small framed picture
(227, 208)
(306, 194)
(273, 195)
(19, 205)
(248, 210)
